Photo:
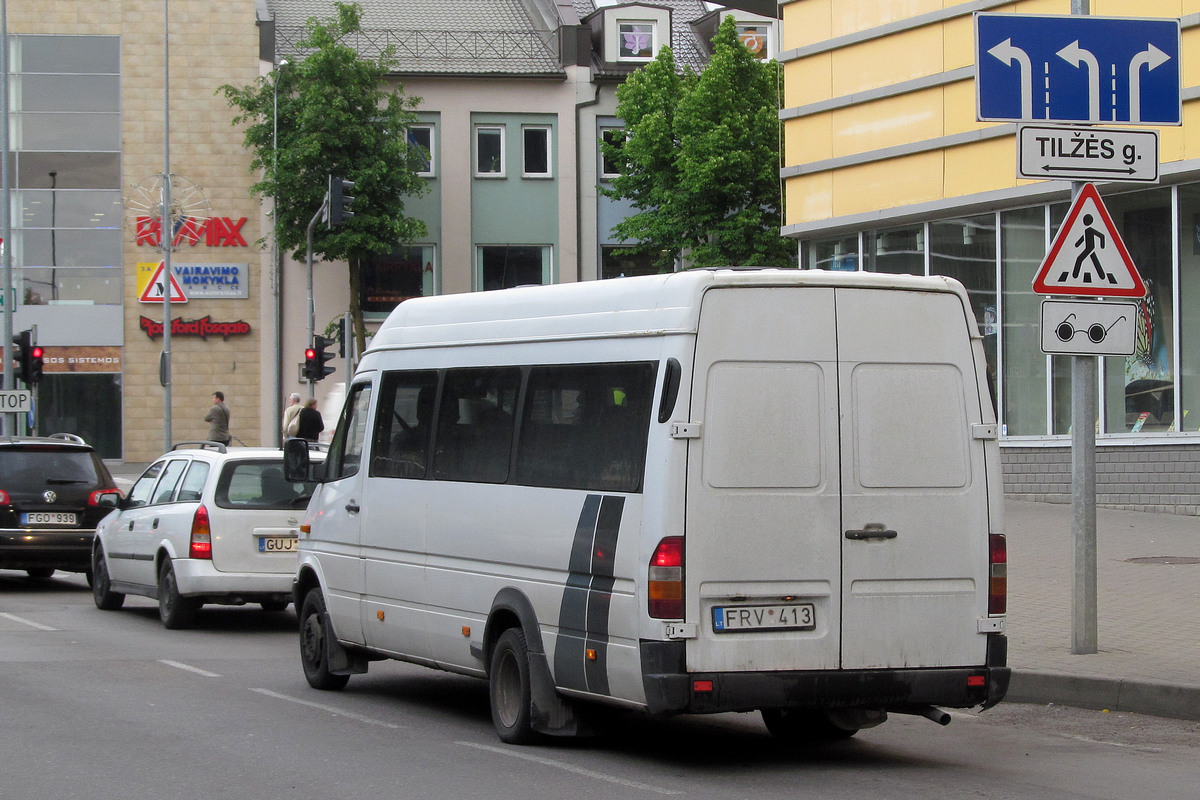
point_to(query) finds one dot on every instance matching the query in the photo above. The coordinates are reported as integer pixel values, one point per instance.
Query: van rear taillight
(998, 574)
(201, 545)
(665, 585)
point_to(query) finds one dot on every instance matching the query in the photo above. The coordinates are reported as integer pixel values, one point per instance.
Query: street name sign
(1046, 152)
(1088, 257)
(1077, 69)
(1088, 327)
(16, 401)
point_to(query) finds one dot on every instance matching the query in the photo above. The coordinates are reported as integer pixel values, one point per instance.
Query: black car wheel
(175, 611)
(106, 599)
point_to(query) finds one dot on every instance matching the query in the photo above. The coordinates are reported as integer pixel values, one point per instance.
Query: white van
(717, 490)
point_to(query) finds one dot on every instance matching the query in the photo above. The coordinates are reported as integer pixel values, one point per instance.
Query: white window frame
(549, 173)
(654, 38)
(429, 127)
(489, 128)
(604, 130)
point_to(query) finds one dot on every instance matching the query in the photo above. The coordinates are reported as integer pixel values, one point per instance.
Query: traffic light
(315, 357)
(29, 357)
(339, 200)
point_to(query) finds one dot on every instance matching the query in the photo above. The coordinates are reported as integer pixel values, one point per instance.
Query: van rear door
(837, 506)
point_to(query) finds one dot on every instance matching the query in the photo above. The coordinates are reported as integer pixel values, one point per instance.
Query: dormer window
(755, 37)
(637, 40)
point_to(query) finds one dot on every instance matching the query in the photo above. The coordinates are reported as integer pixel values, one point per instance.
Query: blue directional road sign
(1077, 68)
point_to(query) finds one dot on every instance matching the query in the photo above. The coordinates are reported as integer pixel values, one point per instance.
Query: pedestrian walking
(218, 420)
(310, 422)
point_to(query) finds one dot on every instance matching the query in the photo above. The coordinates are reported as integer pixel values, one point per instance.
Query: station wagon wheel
(314, 656)
(103, 595)
(803, 726)
(508, 688)
(176, 612)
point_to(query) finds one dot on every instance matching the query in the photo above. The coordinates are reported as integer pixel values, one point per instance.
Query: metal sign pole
(1084, 372)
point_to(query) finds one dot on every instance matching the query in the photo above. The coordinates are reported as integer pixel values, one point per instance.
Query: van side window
(404, 422)
(585, 426)
(346, 449)
(474, 425)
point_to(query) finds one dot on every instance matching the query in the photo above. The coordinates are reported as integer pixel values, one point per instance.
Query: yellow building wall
(920, 115)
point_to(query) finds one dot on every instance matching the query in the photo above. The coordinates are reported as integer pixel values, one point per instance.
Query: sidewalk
(1148, 611)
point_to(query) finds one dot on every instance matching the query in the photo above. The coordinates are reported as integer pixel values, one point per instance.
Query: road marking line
(189, 668)
(28, 622)
(330, 709)
(587, 773)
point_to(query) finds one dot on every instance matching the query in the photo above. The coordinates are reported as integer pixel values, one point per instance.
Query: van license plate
(49, 518)
(277, 544)
(727, 619)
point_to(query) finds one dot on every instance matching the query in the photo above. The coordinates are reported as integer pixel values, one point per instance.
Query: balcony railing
(415, 49)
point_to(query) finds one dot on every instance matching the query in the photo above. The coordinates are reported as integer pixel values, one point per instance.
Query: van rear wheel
(509, 690)
(803, 726)
(314, 653)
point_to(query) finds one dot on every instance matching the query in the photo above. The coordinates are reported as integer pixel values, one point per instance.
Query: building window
(489, 151)
(613, 137)
(616, 265)
(505, 266)
(637, 40)
(420, 143)
(839, 255)
(754, 36)
(897, 251)
(1022, 247)
(388, 280)
(535, 152)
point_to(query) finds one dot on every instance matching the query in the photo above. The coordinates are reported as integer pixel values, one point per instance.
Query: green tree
(334, 118)
(700, 160)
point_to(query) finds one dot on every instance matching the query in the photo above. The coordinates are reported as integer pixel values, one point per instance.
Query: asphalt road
(111, 705)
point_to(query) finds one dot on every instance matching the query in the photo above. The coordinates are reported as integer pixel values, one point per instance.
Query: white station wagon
(205, 523)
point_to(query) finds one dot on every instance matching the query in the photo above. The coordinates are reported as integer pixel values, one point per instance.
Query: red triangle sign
(155, 288)
(1088, 257)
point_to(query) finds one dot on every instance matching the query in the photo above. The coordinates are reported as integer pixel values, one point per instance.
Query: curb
(1113, 694)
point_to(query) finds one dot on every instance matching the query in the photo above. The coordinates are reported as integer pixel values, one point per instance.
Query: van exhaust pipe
(928, 712)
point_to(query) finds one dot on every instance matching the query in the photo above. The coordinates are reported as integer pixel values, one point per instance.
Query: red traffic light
(37, 352)
(310, 353)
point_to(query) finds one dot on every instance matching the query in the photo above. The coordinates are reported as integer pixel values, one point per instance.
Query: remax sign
(1077, 69)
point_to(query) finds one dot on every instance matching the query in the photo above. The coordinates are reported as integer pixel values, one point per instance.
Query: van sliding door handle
(352, 508)
(874, 530)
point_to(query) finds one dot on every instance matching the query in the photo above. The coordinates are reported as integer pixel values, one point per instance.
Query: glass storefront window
(389, 279)
(506, 266)
(965, 249)
(840, 254)
(42, 286)
(1139, 391)
(1022, 247)
(1060, 366)
(1188, 379)
(898, 251)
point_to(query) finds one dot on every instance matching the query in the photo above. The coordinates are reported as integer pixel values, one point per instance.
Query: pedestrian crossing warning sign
(154, 287)
(1088, 257)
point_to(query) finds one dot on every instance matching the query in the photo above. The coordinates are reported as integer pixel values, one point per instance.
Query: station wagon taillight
(201, 545)
(665, 585)
(5, 500)
(998, 574)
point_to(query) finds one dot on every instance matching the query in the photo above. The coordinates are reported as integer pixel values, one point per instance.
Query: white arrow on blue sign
(1077, 69)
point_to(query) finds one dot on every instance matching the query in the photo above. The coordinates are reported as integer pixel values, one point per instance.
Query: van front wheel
(508, 688)
(314, 655)
(803, 726)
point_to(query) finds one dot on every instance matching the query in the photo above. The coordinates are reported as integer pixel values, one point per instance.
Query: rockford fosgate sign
(203, 327)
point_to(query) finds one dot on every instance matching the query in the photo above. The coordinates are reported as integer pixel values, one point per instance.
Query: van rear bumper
(672, 690)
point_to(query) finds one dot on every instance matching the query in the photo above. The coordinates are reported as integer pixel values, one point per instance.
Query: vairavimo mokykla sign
(200, 281)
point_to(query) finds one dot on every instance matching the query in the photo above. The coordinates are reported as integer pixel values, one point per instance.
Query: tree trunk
(356, 317)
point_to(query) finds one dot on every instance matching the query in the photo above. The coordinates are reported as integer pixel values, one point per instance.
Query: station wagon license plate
(49, 518)
(277, 544)
(799, 617)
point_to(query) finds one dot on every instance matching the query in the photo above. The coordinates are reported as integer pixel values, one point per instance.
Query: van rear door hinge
(983, 430)
(685, 430)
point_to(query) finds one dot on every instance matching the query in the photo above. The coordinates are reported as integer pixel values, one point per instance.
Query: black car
(50, 489)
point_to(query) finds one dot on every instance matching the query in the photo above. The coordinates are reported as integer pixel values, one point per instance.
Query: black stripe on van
(584, 613)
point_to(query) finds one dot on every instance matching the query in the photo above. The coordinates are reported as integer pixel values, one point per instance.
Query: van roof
(638, 306)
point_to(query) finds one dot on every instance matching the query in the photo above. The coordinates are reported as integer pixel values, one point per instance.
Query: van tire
(103, 595)
(509, 689)
(314, 653)
(803, 726)
(176, 611)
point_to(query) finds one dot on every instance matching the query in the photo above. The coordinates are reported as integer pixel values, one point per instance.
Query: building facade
(516, 95)
(888, 169)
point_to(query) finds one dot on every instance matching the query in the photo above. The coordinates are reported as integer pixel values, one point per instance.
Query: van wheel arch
(550, 713)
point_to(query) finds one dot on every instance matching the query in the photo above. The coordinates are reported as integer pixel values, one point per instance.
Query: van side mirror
(297, 467)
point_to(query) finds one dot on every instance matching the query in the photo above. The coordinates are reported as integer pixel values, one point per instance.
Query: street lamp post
(276, 266)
